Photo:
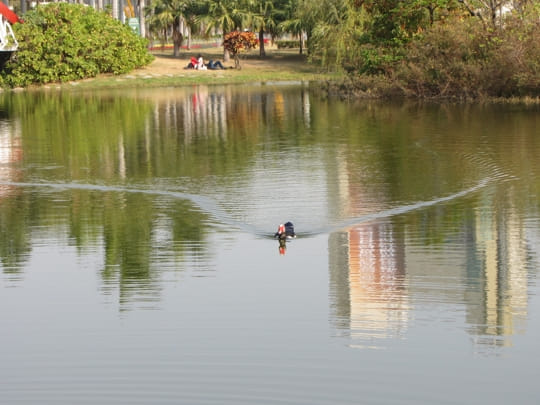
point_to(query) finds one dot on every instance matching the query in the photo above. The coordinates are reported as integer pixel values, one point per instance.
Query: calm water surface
(138, 264)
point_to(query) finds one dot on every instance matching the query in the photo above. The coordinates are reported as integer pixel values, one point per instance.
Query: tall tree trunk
(178, 38)
(121, 15)
(262, 51)
(114, 10)
(226, 54)
(164, 40)
(142, 20)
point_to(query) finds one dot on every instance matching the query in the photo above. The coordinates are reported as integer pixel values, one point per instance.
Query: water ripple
(211, 207)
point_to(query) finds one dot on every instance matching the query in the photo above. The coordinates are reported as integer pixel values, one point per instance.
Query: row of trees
(338, 28)
(206, 17)
(426, 47)
(326, 24)
(419, 47)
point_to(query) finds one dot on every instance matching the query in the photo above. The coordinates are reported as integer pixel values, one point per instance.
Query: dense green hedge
(60, 42)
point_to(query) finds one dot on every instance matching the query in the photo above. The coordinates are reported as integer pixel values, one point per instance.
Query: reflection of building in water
(376, 268)
(367, 270)
(497, 272)
(10, 153)
(487, 273)
(367, 283)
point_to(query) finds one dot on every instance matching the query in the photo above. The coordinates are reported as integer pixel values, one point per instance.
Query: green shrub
(375, 60)
(283, 44)
(465, 60)
(60, 42)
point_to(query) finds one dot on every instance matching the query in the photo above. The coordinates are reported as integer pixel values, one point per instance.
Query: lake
(139, 265)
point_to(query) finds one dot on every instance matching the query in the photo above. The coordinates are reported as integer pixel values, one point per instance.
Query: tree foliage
(430, 48)
(238, 41)
(165, 14)
(60, 42)
(469, 61)
(427, 46)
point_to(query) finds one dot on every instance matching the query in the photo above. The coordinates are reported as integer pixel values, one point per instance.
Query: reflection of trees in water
(112, 138)
(123, 225)
(14, 247)
(15, 219)
(215, 133)
(71, 137)
(127, 242)
(79, 137)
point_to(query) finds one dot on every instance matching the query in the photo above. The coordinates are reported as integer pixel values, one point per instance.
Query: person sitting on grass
(200, 63)
(192, 63)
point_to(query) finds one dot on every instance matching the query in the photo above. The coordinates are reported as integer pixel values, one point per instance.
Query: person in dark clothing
(214, 65)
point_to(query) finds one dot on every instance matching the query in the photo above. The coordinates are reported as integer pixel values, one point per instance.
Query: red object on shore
(10, 15)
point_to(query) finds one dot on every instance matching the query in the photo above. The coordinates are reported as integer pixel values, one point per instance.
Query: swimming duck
(285, 231)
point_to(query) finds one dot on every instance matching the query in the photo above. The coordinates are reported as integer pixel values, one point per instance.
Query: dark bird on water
(285, 231)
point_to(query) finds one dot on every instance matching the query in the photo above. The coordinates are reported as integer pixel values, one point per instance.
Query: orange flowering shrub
(238, 41)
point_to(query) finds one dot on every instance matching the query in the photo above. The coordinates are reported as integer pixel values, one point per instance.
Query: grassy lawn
(167, 70)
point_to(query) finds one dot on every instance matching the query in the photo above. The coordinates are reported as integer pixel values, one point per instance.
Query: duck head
(285, 231)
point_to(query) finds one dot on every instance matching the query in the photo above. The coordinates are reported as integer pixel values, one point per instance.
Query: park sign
(134, 24)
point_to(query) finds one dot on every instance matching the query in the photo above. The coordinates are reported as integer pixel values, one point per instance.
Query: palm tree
(301, 16)
(261, 19)
(193, 11)
(295, 27)
(167, 14)
(226, 16)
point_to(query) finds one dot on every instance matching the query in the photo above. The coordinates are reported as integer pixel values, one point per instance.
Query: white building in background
(122, 10)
